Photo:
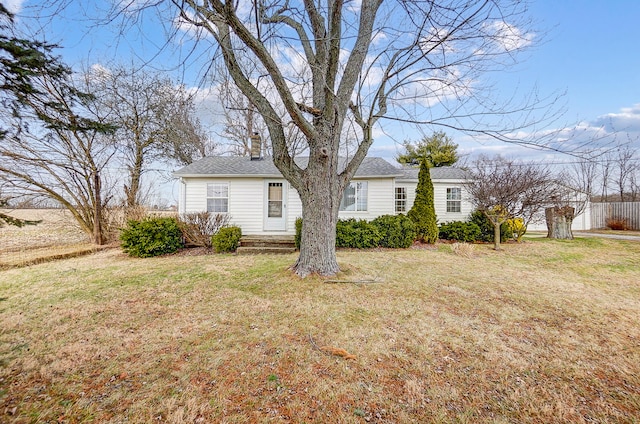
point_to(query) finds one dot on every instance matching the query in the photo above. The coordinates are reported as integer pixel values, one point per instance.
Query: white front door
(275, 207)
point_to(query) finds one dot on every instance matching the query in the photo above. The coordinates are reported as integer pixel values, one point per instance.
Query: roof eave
(266, 176)
(228, 175)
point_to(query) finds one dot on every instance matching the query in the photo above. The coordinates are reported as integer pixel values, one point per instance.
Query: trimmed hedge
(357, 233)
(397, 231)
(151, 237)
(394, 231)
(460, 231)
(227, 239)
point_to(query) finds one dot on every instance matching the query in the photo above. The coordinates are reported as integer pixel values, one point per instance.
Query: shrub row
(156, 236)
(478, 228)
(393, 231)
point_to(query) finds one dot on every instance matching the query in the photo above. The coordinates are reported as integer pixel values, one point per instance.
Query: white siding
(246, 201)
(246, 204)
(381, 200)
(195, 194)
(440, 199)
(582, 222)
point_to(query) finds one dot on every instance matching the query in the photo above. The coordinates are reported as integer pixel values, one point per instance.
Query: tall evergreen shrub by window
(423, 211)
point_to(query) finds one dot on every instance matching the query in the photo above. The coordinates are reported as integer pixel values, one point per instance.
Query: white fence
(629, 211)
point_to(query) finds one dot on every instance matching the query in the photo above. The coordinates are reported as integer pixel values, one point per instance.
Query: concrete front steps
(253, 245)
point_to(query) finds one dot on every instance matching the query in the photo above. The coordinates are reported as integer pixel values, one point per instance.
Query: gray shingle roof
(437, 173)
(239, 166)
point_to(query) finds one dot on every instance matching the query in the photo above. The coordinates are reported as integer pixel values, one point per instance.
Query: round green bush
(358, 234)
(460, 231)
(151, 237)
(397, 231)
(227, 239)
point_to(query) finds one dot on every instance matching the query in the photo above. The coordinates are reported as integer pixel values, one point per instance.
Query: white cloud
(627, 119)
(13, 6)
(507, 37)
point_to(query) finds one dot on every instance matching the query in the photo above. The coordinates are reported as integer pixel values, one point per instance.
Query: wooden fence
(629, 211)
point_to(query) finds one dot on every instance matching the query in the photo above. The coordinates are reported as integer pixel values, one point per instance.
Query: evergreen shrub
(359, 234)
(397, 231)
(486, 227)
(460, 231)
(151, 237)
(423, 212)
(227, 239)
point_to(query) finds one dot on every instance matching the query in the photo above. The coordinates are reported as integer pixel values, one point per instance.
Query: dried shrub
(464, 249)
(116, 218)
(198, 227)
(135, 213)
(617, 223)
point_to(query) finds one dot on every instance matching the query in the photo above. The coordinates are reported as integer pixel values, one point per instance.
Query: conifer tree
(423, 212)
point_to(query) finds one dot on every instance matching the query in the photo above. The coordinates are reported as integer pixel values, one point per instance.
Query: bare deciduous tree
(155, 121)
(241, 120)
(577, 184)
(60, 155)
(625, 165)
(504, 189)
(328, 63)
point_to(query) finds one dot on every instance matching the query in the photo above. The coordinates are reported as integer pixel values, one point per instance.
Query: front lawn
(544, 331)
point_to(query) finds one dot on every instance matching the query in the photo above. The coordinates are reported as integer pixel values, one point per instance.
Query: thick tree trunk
(559, 220)
(320, 207)
(318, 244)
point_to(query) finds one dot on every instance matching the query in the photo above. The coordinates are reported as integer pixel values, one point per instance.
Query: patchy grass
(544, 331)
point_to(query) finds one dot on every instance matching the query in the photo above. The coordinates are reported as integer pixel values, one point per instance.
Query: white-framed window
(454, 199)
(218, 197)
(355, 197)
(401, 199)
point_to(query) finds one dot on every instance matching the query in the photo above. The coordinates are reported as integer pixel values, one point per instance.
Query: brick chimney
(256, 147)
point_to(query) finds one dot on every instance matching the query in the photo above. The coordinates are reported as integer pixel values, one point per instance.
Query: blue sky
(588, 50)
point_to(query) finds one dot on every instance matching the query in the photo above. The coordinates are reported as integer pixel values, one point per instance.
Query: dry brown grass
(541, 332)
(466, 250)
(57, 235)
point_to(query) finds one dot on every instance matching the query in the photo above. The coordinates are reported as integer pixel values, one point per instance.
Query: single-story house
(260, 201)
